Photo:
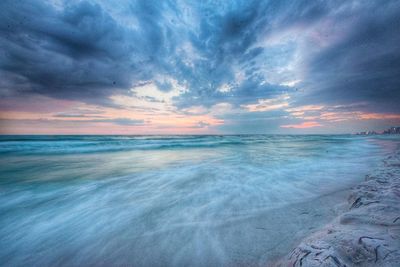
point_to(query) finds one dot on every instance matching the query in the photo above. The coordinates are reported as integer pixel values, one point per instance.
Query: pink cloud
(379, 116)
(303, 125)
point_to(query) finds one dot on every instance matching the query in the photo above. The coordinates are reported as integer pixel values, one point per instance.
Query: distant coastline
(391, 130)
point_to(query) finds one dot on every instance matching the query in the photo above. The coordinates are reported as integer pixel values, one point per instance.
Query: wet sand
(367, 233)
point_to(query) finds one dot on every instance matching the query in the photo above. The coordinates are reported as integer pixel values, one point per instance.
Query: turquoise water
(171, 200)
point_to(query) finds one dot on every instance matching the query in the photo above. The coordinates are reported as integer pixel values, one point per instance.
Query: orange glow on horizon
(303, 125)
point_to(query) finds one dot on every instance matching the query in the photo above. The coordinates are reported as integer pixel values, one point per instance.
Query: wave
(97, 144)
(170, 198)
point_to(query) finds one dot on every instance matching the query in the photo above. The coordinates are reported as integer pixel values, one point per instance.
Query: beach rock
(367, 234)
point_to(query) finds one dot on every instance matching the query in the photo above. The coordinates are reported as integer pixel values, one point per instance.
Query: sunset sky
(198, 67)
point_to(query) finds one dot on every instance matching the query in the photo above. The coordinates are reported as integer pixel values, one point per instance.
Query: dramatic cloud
(363, 64)
(226, 66)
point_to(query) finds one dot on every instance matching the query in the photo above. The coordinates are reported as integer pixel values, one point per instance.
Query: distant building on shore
(367, 133)
(391, 130)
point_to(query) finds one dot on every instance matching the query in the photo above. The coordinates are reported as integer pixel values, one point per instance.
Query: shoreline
(367, 233)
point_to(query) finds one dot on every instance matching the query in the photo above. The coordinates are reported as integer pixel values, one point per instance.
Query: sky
(198, 67)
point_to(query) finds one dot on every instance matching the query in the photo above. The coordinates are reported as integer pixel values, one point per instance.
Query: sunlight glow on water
(178, 200)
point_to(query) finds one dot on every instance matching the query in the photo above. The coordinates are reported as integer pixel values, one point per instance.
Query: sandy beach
(367, 233)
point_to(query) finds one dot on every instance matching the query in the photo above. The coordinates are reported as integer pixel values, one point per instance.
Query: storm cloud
(235, 52)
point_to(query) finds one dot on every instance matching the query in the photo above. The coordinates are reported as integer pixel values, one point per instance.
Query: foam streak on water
(171, 200)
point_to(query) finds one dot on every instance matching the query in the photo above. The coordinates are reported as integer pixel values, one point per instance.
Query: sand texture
(367, 234)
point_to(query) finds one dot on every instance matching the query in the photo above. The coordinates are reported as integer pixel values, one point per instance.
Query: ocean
(173, 200)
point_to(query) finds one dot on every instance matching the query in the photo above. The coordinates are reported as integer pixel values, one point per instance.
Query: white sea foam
(171, 201)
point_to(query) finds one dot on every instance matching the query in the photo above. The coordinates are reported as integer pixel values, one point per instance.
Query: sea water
(172, 200)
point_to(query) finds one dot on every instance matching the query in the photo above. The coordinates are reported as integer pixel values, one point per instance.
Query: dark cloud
(66, 54)
(164, 86)
(81, 122)
(90, 50)
(201, 124)
(116, 121)
(75, 115)
(69, 115)
(249, 91)
(122, 121)
(79, 51)
(364, 66)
